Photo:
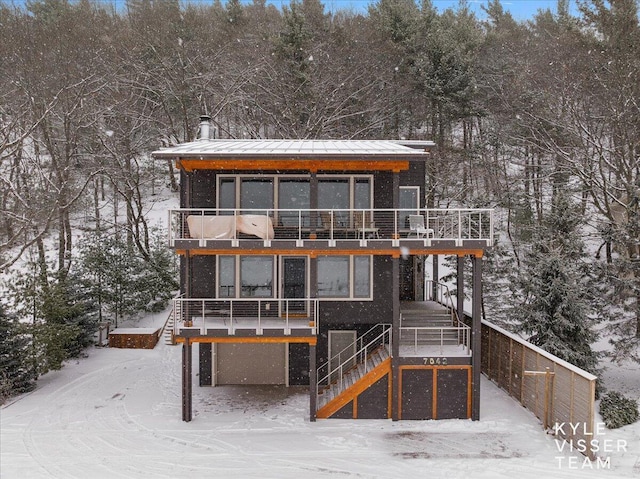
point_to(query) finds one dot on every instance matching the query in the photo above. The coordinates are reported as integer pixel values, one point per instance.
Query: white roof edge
(542, 352)
(296, 148)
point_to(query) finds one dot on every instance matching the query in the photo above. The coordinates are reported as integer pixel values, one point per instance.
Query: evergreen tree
(52, 315)
(17, 374)
(557, 311)
(119, 279)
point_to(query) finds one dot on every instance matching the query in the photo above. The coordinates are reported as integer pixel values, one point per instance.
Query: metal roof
(355, 149)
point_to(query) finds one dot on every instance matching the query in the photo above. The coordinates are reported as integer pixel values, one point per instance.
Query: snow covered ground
(116, 414)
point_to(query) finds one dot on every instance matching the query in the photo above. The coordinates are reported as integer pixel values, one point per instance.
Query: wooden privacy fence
(558, 393)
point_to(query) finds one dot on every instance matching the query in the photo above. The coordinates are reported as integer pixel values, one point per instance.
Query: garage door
(251, 363)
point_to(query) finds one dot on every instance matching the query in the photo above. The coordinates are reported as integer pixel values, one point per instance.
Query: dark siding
(415, 176)
(383, 190)
(203, 276)
(417, 394)
(452, 394)
(298, 364)
(205, 363)
(373, 403)
(346, 412)
(185, 191)
(203, 189)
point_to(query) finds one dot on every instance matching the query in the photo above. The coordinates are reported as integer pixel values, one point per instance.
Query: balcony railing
(396, 225)
(246, 316)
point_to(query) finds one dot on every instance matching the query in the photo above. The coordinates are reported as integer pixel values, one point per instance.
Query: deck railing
(257, 314)
(458, 225)
(436, 336)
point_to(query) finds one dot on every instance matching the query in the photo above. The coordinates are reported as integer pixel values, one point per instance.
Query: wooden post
(313, 383)
(186, 381)
(476, 336)
(395, 340)
(460, 287)
(435, 274)
(548, 385)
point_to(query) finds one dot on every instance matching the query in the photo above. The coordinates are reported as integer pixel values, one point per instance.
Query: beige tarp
(257, 225)
(224, 227)
(215, 227)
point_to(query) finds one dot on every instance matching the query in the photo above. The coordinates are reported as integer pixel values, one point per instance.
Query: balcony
(306, 228)
(245, 317)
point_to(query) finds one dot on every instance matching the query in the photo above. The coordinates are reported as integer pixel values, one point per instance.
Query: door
(294, 285)
(342, 349)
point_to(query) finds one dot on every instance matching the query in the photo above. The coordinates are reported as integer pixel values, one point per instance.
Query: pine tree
(17, 372)
(557, 311)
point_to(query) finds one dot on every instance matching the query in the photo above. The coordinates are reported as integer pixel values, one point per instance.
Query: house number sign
(435, 361)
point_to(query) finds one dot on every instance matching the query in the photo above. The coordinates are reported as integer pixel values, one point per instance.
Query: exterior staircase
(370, 363)
(167, 333)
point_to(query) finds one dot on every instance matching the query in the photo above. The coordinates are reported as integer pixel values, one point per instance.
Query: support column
(313, 383)
(460, 287)
(476, 337)
(205, 364)
(313, 204)
(186, 380)
(395, 340)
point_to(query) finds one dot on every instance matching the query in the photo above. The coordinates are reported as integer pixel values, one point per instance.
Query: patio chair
(416, 225)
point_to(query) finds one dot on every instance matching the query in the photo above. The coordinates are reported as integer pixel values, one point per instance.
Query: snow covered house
(303, 263)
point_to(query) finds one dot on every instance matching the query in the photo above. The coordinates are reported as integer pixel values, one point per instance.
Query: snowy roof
(352, 149)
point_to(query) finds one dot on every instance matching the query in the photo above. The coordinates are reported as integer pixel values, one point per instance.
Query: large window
(256, 193)
(344, 277)
(294, 192)
(252, 276)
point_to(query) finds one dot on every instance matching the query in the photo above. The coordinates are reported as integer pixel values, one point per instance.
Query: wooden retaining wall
(134, 338)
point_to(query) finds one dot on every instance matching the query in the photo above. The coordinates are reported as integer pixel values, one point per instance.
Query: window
(344, 277)
(333, 276)
(293, 194)
(227, 277)
(362, 276)
(252, 276)
(409, 204)
(227, 194)
(256, 193)
(256, 276)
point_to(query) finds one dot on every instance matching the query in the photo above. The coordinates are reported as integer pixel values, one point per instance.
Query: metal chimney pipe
(205, 127)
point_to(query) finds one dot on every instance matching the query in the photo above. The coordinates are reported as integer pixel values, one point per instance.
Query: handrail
(359, 357)
(439, 292)
(197, 313)
(368, 224)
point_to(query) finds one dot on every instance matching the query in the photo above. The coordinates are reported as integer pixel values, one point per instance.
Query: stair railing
(380, 335)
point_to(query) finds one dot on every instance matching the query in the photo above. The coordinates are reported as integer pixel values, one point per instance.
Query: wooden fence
(557, 392)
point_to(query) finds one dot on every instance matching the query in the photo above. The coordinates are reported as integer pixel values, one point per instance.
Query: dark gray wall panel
(203, 276)
(346, 412)
(373, 403)
(452, 393)
(417, 394)
(298, 364)
(203, 189)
